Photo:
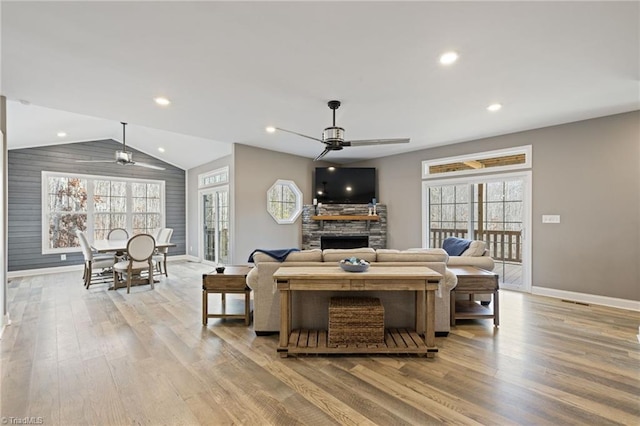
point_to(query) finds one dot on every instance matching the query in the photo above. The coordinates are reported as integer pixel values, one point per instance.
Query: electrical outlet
(63, 257)
(550, 218)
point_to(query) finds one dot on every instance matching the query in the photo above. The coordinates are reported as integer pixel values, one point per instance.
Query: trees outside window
(97, 204)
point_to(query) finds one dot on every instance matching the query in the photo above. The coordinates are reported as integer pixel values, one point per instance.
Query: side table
(472, 281)
(232, 280)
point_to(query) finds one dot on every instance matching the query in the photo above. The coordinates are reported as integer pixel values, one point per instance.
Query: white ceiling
(232, 68)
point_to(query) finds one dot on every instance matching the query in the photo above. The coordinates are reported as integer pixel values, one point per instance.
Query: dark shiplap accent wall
(25, 195)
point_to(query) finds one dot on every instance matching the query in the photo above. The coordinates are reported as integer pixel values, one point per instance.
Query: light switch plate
(550, 218)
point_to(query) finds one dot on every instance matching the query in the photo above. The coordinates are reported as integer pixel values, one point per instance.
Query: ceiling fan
(124, 157)
(333, 136)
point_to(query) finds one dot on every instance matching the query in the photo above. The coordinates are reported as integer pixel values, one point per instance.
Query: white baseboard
(632, 305)
(42, 271)
(73, 268)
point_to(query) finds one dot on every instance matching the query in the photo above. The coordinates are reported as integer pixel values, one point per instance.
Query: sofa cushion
(336, 255)
(314, 255)
(412, 255)
(455, 246)
(476, 248)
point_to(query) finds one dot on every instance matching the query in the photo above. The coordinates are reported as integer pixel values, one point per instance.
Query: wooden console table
(472, 281)
(422, 280)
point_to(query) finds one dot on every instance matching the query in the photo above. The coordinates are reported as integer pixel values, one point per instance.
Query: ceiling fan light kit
(333, 136)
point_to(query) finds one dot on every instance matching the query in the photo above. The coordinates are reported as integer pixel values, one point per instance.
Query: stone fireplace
(343, 226)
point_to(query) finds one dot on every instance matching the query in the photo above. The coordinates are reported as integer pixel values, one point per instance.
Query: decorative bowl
(219, 269)
(354, 265)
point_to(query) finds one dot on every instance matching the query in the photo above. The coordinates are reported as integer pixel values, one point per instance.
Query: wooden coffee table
(419, 279)
(232, 280)
(473, 281)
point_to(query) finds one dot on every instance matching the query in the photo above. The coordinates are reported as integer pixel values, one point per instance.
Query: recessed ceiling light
(61, 134)
(494, 107)
(348, 188)
(161, 149)
(270, 129)
(162, 101)
(448, 58)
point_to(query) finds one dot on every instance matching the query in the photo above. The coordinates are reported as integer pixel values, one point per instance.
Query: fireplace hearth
(343, 241)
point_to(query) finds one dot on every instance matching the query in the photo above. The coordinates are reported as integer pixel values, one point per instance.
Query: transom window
(215, 177)
(498, 160)
(97, 204)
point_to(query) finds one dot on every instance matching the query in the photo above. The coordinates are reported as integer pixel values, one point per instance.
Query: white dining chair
(91, 260)
(160, 257)
(140, 249)
(118, 234)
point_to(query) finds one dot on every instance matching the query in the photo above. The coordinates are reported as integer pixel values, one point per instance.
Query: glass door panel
(492, 210)
(215, 224)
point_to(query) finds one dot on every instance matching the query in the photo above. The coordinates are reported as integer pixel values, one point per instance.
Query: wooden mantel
(348, 217)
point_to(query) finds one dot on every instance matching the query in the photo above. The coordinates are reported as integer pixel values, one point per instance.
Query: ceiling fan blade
(322, 154)
(375, 142)
(95, 161)
(299, 134)
(148, 166)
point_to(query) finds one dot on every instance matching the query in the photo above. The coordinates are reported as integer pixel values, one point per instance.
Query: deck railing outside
(502, 245)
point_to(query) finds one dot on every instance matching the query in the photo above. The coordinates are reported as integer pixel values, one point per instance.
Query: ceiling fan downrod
(124, 138)
(334, 105)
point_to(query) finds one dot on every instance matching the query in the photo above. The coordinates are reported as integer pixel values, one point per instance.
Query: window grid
(96, 204)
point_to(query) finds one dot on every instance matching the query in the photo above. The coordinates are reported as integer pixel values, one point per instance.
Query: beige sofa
(476, 255)
(311, 308)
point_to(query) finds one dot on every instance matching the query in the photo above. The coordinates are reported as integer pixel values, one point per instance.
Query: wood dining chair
(92, 260)
(140, 249)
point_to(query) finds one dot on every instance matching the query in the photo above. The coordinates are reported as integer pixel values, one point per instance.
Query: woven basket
(355, 320)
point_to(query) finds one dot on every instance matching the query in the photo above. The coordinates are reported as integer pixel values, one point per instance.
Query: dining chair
(92, 260)
(140, 249)
(160, 256)
(118, 234)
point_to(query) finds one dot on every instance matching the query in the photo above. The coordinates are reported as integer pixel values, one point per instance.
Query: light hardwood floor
(74, 356)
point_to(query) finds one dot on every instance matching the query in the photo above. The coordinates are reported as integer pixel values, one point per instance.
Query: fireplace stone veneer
(313, 229)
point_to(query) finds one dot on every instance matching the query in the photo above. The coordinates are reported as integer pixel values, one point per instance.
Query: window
(215, 177)
(490, 161)
(97, 204)
(284, 201)
(65, 206)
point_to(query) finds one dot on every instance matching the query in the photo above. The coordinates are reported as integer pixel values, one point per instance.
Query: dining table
(120, 246)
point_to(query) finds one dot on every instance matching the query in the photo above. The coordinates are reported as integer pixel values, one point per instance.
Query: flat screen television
(345, 185)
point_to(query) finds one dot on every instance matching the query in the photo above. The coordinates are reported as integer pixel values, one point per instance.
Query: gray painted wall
(588, 172)
(255, 171)
(25, 197)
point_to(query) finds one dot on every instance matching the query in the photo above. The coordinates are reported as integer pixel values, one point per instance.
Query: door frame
(526, 176)
(201, 193)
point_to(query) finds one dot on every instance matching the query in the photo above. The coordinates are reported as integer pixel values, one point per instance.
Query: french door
(495, 209)
(214, 241)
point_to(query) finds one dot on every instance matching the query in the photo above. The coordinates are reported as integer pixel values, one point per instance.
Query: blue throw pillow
(455, 246)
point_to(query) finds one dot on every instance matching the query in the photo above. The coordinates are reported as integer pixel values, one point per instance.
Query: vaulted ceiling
(232, 68)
